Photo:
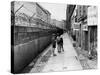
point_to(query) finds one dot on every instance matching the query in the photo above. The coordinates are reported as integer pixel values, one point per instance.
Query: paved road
(64, 61)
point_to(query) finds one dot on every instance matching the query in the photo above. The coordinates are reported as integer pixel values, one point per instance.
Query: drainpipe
(89, 52)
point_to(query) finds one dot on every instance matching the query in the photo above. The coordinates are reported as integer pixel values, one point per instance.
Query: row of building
(33, 14)
(60, 24)
(84, 27)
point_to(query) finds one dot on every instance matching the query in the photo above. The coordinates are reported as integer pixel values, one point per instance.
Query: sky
(58, 11)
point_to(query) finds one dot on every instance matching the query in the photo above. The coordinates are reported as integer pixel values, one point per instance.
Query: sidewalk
(64, 61)
(83, 57)
(67, 60)
(85, 61)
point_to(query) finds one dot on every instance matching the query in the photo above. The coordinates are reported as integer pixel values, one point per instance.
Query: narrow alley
(39, 32)
(67, 60)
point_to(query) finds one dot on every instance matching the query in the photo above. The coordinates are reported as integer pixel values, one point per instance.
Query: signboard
(92, 16)
(85, 27)
(76, 26)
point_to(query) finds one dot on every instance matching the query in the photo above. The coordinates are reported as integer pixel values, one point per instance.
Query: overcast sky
(58, 11)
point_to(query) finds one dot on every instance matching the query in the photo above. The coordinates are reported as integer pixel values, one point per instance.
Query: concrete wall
(24, 51)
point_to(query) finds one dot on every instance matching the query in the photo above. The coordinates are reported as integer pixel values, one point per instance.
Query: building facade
(81, 23)
(60, 24)
(92, 29)
(69, 12)
(84, 27)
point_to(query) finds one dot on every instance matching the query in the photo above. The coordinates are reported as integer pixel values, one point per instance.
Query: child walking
(53, 44)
